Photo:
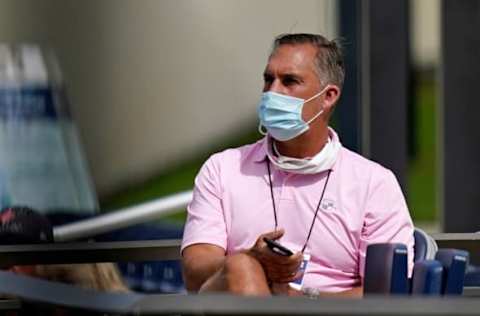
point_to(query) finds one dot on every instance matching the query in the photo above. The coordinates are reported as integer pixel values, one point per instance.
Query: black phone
(277, 248)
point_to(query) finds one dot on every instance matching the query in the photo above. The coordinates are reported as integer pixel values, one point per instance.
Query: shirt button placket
(285, 192)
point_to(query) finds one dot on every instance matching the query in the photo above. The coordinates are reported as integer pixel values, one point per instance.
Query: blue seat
(427, 278)
(454, 264)
(386, 269)
(472, 276)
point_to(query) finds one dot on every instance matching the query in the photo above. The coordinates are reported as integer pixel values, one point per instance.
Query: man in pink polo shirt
(298, 186)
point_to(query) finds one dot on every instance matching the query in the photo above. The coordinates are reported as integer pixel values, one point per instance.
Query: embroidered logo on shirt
(328, 205)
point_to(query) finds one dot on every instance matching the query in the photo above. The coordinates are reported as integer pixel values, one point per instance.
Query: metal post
(372, 114)
(459, 115)
(349, 107)
(385, 83)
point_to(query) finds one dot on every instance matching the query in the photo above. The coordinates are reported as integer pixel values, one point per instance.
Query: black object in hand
(277, 248)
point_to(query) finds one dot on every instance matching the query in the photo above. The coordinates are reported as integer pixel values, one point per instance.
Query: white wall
(152, 82)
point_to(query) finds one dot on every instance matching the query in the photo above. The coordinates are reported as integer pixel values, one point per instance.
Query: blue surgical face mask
(281, 115)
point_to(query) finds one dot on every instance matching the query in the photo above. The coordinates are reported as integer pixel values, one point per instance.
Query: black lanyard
(316, 211)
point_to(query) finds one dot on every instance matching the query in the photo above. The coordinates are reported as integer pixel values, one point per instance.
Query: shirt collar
(261, 153)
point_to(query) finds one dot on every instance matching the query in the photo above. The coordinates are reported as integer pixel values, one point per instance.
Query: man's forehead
(292, 58)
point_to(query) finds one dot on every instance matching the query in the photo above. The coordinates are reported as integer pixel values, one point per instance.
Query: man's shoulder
(363, 166)
(239, 155)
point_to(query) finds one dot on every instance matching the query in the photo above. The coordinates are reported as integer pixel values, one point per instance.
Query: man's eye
(268, 79)
(289, 81)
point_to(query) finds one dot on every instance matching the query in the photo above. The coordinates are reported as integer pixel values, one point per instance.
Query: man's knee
(241, 263)
(243, 274)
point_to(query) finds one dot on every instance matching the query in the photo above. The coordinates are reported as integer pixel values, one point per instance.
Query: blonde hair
(97, 276)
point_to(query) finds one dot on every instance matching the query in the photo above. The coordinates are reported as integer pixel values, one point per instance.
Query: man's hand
(278, 268)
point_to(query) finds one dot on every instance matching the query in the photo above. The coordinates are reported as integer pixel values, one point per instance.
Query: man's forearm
(196, 272)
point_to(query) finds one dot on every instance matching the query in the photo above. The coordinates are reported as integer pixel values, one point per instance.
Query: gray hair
(329, 63)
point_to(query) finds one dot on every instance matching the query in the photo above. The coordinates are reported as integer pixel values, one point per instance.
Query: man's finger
(274, 234)
(281, 271)
(293, 260)
(290, 277)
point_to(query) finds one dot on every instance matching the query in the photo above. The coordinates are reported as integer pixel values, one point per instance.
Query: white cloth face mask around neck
(322, 161)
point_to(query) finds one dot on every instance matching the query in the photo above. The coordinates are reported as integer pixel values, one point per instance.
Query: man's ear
(331, 96)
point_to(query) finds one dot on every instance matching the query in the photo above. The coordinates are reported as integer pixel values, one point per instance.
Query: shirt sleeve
(387, 219)
(205, 217)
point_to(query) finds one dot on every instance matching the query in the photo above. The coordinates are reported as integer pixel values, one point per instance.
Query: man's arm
(206, 267)
(200, 262)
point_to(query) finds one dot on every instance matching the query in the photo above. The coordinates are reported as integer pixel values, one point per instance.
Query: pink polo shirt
(363, 204)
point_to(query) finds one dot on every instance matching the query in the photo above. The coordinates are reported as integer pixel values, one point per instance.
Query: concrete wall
(151, 82)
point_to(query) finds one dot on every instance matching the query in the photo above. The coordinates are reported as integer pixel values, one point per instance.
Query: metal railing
(71, 297)
(144, 250)
(122, 218)
(90, 252)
